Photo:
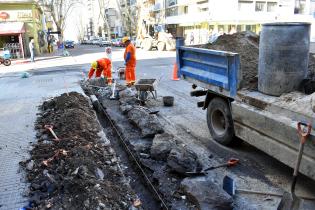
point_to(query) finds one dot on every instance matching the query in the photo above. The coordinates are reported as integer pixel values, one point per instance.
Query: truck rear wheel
(147, 44)
(220, 122)
(161, 46)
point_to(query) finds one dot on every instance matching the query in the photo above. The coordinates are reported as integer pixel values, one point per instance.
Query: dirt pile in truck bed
(246, 44)
(80, 171)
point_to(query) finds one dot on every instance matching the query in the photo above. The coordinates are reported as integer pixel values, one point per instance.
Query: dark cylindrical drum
(283, 57)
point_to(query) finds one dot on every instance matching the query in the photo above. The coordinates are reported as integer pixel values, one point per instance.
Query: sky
(73, 19)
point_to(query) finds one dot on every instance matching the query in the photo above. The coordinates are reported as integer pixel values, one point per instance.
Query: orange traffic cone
(175, 71)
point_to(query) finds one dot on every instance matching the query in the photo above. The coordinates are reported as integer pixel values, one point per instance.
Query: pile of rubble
(79, 170)
(163, 155)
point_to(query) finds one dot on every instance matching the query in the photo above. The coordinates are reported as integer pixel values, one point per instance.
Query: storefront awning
(7, 28)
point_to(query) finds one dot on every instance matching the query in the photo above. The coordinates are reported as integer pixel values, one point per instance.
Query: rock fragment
(162, 146)
(149, 124)
(205, 194)
(182, 160)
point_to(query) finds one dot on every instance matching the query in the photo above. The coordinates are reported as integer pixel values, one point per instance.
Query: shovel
(289, 200)
(231, 162)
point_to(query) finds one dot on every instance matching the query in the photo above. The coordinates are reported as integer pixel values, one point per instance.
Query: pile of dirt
(81, 170)
(246, 44)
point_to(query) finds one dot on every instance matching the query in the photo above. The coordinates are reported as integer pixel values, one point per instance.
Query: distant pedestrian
(32, 50)
(192, 38)
(49, 46)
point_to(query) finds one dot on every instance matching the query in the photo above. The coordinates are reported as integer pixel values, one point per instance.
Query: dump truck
(265, 121)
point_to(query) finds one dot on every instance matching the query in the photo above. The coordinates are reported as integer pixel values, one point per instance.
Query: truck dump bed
(266, 122)
(215, 70)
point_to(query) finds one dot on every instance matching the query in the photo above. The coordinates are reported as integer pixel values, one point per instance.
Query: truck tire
(147, 44)
(161, 46)
(220, 122)
(7, 62)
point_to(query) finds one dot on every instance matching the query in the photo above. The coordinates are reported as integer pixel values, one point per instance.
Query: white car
(95, 41)
(104, 43)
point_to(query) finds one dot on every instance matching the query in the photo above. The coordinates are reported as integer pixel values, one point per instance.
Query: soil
(81, 170)
(246, 44)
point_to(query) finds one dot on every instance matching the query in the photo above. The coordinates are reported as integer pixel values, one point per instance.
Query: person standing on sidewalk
(130, 61)
(32, 50)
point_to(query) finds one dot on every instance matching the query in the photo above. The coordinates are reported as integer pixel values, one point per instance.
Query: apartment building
(116, 13)
(202, 18)
(243, 15)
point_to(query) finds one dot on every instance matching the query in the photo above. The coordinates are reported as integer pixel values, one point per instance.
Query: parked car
(118, 43)
(69, 44)
(88, 42)
(104, 43)
(95, 41)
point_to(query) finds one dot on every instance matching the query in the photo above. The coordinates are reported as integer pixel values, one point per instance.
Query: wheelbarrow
(144, 87)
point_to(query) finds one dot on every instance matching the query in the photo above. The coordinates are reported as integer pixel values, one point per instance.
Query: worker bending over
(101, 65)
(130, 61)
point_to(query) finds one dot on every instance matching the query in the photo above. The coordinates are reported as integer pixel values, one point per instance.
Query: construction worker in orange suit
(103, 65)
(130, 61)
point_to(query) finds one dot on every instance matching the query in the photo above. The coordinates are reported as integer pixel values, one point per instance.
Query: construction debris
(162, 146)
(148, 123)
(205, 194)
(182, 160)
(73, 173)
(246, 44)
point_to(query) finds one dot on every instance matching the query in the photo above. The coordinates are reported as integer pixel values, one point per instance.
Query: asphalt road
(60, 74)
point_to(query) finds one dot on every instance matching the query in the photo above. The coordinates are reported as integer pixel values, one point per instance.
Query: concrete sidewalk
(18, 105)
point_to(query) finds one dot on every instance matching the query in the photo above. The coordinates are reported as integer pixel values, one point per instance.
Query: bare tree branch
(104, 5)
(60, 9)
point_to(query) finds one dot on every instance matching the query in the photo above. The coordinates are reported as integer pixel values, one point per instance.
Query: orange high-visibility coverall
(103, 65)
(130, 64)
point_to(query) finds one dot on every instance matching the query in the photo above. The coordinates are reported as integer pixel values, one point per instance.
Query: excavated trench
(130, 168)
(155, 159)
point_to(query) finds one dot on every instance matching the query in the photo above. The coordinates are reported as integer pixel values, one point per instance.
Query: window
(239, 28)
(271, 6)
(260, 6)
(170, 3)
(250, 28)
(186, 10)
(245, 6)
(173, 11)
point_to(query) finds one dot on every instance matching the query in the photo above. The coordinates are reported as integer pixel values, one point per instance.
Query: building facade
(202, 18)
(21, 21)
